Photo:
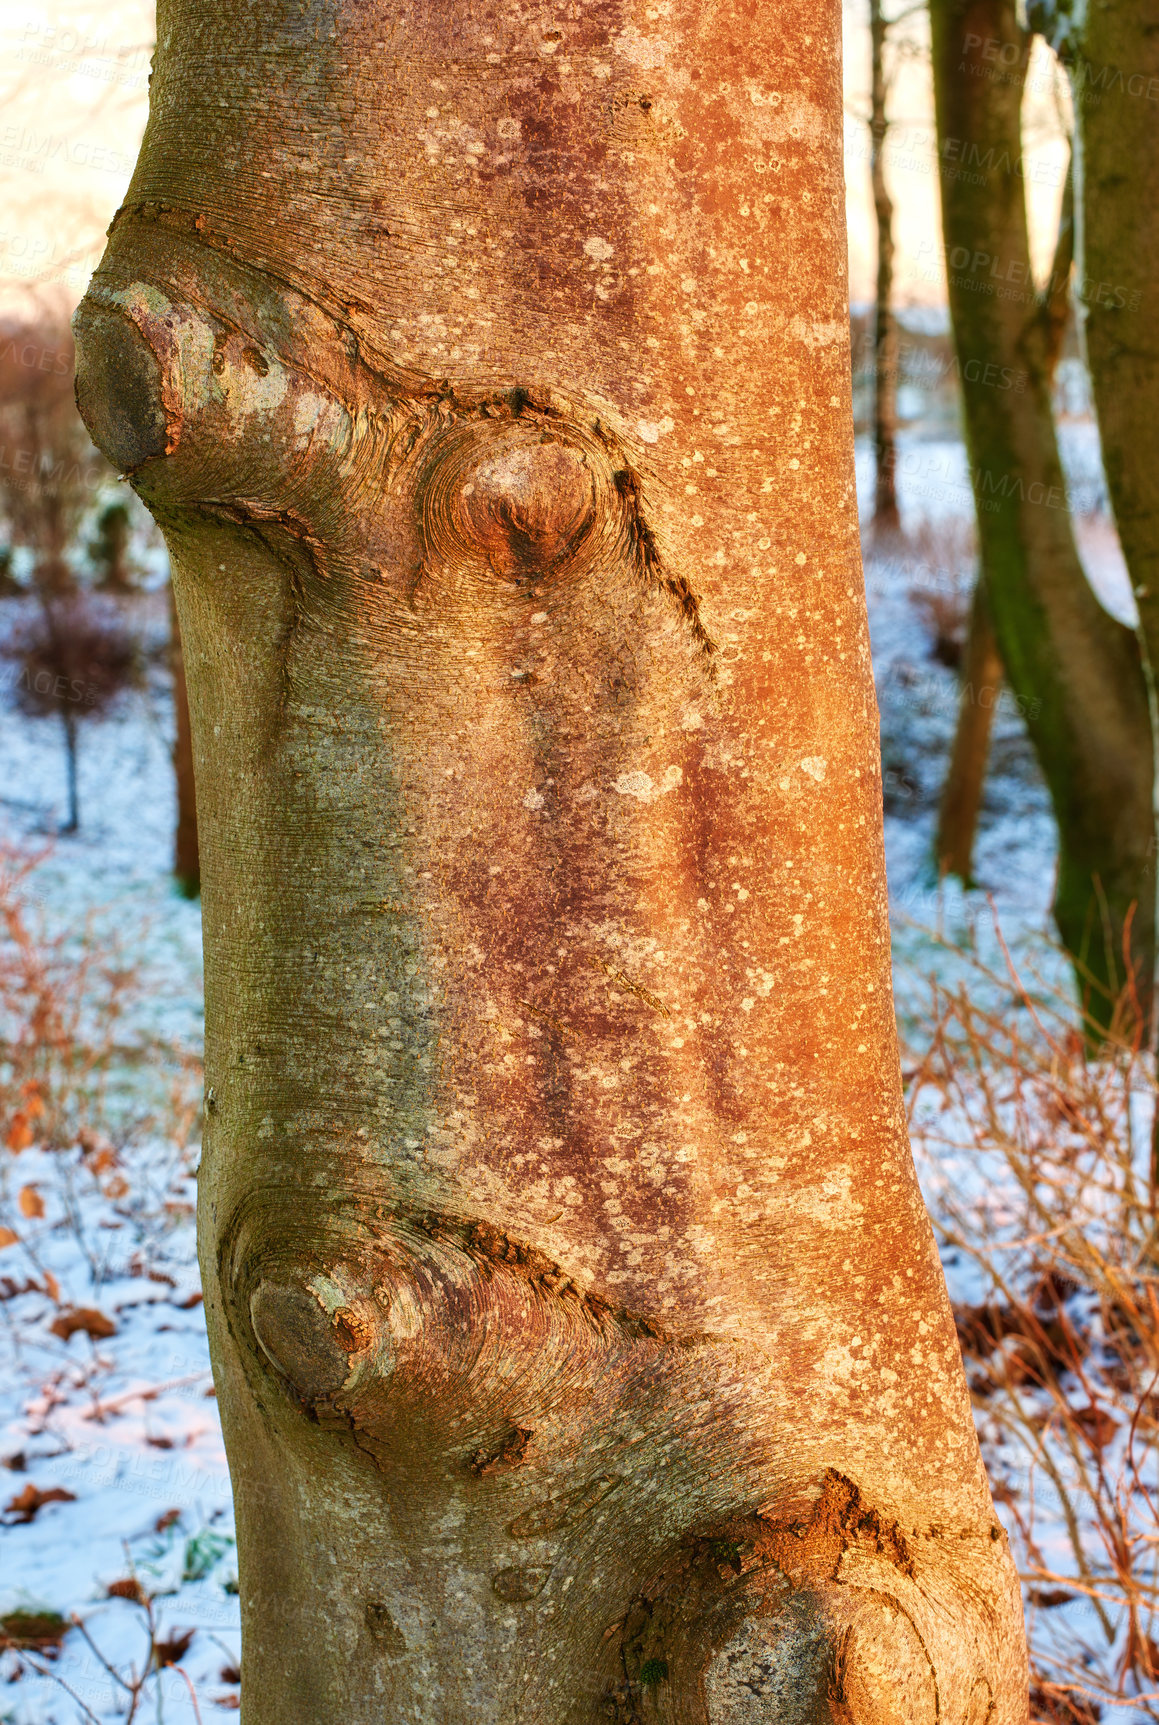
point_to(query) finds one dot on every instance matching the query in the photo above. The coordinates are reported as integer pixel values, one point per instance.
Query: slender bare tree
(982, 673)
(1077, 672)
(1112, 55)
(581, 1344)
(886, 515)
(186, 864)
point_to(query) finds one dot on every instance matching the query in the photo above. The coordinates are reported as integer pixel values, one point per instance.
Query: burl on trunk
(580, 1340)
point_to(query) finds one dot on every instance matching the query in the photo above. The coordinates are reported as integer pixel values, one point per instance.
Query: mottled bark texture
(886, 515)
(982, 674)
(581, 1344)
(1077, 672)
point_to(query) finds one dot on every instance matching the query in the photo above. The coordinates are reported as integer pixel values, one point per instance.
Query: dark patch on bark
(646, 556)
(509, 1454)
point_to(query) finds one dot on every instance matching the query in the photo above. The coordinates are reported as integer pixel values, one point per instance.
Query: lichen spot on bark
(521, 499)
(825, 1659)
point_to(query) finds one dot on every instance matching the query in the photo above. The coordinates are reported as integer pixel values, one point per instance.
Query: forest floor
(118, 1585)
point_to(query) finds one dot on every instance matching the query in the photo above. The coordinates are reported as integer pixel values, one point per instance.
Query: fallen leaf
(117, 1187)
(129, 1588)
(187, 1305)
(24, 1505)
(230, 1703)
(41, 1629)
(1048, 1597)
(85, 1318)
(51, 1286)
(230, 1674)
(166, 1521)
(19, 1132)
(31, 1203)
(174, 1647)
(8, 1238)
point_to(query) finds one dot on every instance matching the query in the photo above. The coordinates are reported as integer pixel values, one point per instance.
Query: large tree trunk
(965, 783)
(886, 516)
(1077, 672)
(581, 1345)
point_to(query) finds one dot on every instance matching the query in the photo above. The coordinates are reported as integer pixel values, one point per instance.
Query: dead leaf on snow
(42, 1629)
(174, 1647)
(85, 1318)
(23, 1507)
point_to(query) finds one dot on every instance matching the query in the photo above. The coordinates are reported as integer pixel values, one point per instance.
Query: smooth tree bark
(982, 675)
(886, 514)
(1076, 672)
(579, 1336)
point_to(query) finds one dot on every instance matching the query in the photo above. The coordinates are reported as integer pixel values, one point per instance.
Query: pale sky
(74, 93)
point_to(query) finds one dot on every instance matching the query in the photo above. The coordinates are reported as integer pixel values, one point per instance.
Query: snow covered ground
(123, 1420)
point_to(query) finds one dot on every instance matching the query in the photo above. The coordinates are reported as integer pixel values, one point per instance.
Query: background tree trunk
(186, 865)
(71, 770)
(965, 783)
(1115, 80)
(1075, 671)
(581, 1345)
(1114, 68)
(886, 515)
(966, 777)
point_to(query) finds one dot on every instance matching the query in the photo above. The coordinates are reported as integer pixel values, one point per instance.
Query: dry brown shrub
(1037, 1160)
(945, 554)
(116, 1108)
